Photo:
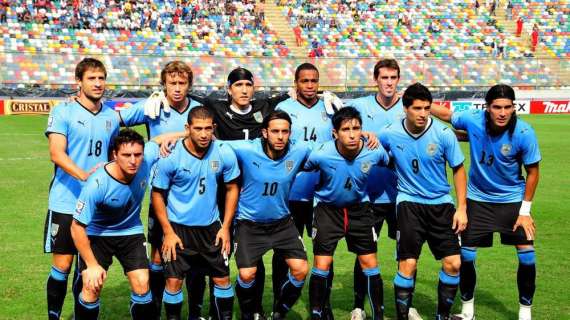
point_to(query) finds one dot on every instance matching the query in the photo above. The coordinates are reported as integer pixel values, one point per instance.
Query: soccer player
(498, 197)
(176, 80)
(184, 192)
(107, 223)
(79, 136)
(420, 148)
(343, 208)
(379, 110)
(269, 166)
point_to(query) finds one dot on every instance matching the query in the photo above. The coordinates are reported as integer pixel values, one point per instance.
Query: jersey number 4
(348, 184)
(487, 159)
(312, 136)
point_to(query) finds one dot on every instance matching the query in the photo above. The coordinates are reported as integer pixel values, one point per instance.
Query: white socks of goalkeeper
(525, 312)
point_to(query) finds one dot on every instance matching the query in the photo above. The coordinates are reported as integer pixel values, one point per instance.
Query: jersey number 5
(202, 186)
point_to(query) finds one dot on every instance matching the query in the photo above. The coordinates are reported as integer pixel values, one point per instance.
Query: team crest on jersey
(54, 229)
(324, 116)
(289, 165)
(506, 149)
(108, 125)
(258, 117)
(431, 149)
(215, 165)
(314, 233)
(79, 206)
(365, 166)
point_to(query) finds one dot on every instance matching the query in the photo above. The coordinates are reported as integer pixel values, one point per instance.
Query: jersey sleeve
(57, 120)
(451, 148)
(384, 137)
(151, 153)
(529, 145)
(91, 195)
(312, 163)
(275, 100)
(460, 120)
(231, 169)
(163, 173)
(134, 115)
(383, 157)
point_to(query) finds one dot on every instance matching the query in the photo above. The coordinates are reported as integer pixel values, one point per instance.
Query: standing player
(184, 199)
(79, 136)
(498, 197)
(107, 223)
(420, 148)
(264, 222)
(379, 110)
(176, 79)
(344, 209)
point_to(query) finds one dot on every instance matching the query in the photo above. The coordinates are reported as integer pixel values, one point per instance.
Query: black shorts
(418, 223)
(200, 253)
(57, 233)
(155, 234)
(485, 218)
(355, 223)
(254, 239)
(385, 212)
(130, 251)
(302, 213)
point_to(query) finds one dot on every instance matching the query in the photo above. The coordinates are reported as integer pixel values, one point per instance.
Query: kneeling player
(264, 222)
(420, 147)
(344, 209)
(498, 198)
(107, 223)
(184, 199)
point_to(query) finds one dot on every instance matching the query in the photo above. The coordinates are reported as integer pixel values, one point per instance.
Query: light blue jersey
(109, 207)
(266, 182)
(382, 186)
(495, 174)
(420, 161)
(173, 121)
(343, 182)
(310, 125)
(89, 136)
(192, 182)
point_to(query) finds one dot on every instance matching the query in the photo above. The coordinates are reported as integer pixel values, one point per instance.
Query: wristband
(525, 208)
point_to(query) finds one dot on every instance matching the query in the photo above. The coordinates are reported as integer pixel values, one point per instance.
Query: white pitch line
(22, 158)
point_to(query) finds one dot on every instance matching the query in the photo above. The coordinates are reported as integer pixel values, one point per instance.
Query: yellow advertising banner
(36, 106)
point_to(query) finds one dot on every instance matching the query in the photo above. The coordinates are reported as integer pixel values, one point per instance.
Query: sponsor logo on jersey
(506, 149)
(400, 146)
(289, 165)
(215, 165)
(431, 149)
(79, 206)
(81, 122)
(365, 166)
(255, 164)
(258, 117)
(231, 116)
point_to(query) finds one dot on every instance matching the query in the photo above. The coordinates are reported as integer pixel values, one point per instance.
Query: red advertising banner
(1, 107)
(550, 107)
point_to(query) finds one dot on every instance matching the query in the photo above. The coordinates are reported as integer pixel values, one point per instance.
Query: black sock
(77, 284)
(374, 287)
(359, 285)
(142, 306)
(156, 283)
(468, 273)
(195, 287)
(245, 292)
(279, 275)
(411, 300)
(526, 275)
(224, 302)
(86, 310)
(446, 290)
(56, 289)
(259, 287)
(172, 304)
(290, 291)
(403, 290)
(318, 292)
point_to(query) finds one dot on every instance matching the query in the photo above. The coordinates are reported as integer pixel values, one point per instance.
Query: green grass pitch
(26, 172)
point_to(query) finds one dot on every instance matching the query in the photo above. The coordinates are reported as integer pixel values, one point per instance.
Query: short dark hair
(499, 91)
(199, 112)
(238, 74)
(275, 115)
(346, 113)
(86, 64)
(176, 67)
(386, 63)
(127, 136)
(305, 66)
(416, 91)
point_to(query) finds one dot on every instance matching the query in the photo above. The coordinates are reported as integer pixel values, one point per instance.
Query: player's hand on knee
(527, 223)
(223, 238)
(171, 240)
(153, 104)
(459, 221)
(94, 277)
(372, 141)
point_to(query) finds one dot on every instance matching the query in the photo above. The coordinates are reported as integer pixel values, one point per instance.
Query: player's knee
(89, 295)
(451, 264)
(299, 270)
(247, 275)
(139, 283)
(222, 282)
(407, 267)
(368, 261)
(526, 255)
(62, 262)
(468, 254)
(173, 284)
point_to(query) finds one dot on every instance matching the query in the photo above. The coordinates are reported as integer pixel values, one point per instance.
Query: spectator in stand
(3, 10)
(298, 39)
(534, 38)
(520, 24)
